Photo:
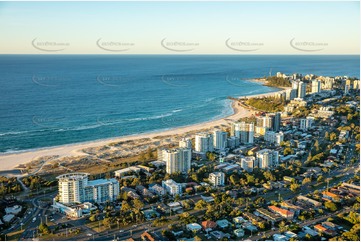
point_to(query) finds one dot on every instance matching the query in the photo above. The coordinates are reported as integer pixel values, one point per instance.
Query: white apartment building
(316, 86)
(247, 163)
(172, 187)
(274, 137)
(267, 158)
(306, 123)
(220, 139)
(301, 89)
(216, 179)
(185, 143)
(177, 160)
(204, 143)
(76, 188)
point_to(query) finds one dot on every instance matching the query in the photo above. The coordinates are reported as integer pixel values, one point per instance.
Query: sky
(179, 28)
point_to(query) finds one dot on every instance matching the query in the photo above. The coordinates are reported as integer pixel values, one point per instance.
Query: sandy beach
(11, 161)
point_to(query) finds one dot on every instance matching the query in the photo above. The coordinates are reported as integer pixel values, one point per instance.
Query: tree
(317, 146)
(333, 136)
(306, 180)
(288, 151)
(331, 206)
(294, 187)
(44, 229)
(200, 205)
(327, 135)
(92, 218)
(320, 178)
(107, 222)
(137, 204)
(125, 206)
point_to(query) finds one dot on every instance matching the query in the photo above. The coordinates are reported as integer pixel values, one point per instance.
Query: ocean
(51, 100)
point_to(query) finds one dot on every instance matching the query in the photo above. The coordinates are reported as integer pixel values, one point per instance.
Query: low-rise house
(157, 190)
(329, 225)
(253, 218)
(283, 212)
(309, 200)
(223, 223)
(219, 235)
(309, 231)
(322, 229)
(239, 232)
(279, 237)
(150, 214)
(194, 227)
(330, 196)
(290, 235)
(264, 213)
(208, 225)
(250, 227)
(239, 220)
(289, 206)
(146, 236)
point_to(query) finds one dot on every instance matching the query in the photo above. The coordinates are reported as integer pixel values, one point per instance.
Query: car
(89, 235)
(121, 231)
(135, 225)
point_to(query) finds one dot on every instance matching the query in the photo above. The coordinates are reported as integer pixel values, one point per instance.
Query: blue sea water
(50, 100)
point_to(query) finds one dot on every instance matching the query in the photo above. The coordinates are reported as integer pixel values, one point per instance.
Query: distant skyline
(180, 28)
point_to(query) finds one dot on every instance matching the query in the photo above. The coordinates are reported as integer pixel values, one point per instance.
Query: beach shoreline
(14, 160)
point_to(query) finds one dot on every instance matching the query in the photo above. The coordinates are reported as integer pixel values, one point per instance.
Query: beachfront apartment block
(274, 137)
(76, 188)
(177, 160)
(267, 158)
(220, 139)
(247, 163)
(185, 143)
(243, 131)
(173, 188)
(315, 86)
(204, 142)
(301, 89)
(216, 179)
(290, 94)
(272, 121)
